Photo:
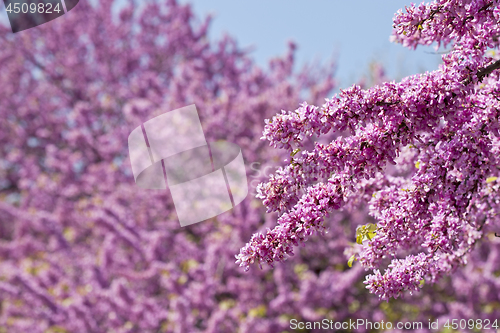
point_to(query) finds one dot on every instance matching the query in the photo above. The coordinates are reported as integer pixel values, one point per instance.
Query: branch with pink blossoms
(278, 192)
(445, 114)
(293, 228)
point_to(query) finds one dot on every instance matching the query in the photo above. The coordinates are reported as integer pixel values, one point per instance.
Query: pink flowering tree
(422, 153)
(83, 249)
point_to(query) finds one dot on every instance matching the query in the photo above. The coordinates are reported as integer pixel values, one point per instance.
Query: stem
(481, 74)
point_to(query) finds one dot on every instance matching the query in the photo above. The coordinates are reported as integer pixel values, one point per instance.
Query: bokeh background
(82, 249)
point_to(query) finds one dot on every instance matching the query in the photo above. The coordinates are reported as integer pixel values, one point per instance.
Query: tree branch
(481, 74)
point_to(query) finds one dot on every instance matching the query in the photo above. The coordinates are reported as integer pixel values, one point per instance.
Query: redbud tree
(423, 153)
(83, 249)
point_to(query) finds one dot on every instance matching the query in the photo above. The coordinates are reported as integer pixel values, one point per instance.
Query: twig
(487, 70)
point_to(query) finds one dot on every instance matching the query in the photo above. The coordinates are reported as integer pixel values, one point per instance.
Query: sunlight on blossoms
(365, 208)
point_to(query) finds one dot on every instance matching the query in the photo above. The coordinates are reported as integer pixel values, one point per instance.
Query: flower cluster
(447, 120)
(82, 249)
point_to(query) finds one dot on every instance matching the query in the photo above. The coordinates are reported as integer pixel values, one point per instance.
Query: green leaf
(491, 179)
(259, 311)
(294, 152)
(300, 268)
(351, 260)
(371, 227)
(359, 238)
(370, 235)
(417, 165)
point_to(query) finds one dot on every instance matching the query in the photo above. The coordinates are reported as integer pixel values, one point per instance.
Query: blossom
(448, 117)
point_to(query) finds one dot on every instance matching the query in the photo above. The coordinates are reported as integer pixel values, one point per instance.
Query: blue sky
(357, 32)
(354, 32)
